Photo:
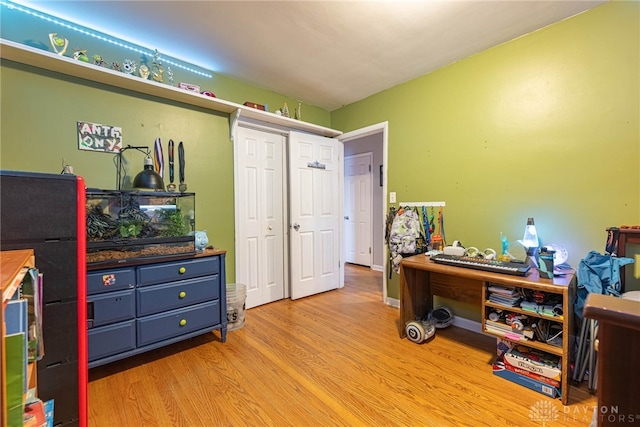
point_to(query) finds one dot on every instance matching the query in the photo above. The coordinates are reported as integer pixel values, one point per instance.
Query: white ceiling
(323, 53)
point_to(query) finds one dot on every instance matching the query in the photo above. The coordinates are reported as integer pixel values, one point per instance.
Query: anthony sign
(96, 137)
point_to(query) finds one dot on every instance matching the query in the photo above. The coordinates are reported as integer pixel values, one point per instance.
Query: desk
(421, 279)
(618, 347)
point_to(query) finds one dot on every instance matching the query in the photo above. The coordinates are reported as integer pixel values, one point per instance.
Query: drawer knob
(183, 322)
(182, 270)
(182, 294)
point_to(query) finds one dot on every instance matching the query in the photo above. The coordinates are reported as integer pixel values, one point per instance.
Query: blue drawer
(111, 307)
(154, 299)
(111, 339)
(178, 270)
(163, 326)
(110, 280)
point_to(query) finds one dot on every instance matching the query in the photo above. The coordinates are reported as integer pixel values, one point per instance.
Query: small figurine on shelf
(170, 74)
(157, 72)
(99, 60)
(58, 42)
(80, 55)
(298, 112)
(115, 66)
(129, 66)
(144, 71)
(285, 110)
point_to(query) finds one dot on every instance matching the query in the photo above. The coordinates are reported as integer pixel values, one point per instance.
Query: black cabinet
(44, 212)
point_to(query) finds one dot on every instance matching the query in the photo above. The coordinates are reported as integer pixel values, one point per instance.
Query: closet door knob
(296, 226)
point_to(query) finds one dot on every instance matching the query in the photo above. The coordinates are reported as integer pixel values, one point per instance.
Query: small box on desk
(254, 105)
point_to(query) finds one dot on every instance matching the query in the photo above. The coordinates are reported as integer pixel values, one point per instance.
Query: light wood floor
(333, 359)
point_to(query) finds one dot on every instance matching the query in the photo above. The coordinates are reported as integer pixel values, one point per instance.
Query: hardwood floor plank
(333, 359)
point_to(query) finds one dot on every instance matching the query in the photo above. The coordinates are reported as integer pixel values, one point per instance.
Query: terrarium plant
(133, 222)
(172, 219)
(130, 230)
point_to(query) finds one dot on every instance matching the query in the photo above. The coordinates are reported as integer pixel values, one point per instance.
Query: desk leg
(416, 300)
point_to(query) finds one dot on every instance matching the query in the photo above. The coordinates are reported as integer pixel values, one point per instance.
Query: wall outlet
(392, 197)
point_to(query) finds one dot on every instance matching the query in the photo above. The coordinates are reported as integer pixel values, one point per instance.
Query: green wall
(544, 126)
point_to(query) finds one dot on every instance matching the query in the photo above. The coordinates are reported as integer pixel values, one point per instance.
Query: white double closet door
(287, 224)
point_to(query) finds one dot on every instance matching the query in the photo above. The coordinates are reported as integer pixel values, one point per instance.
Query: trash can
(236, 299)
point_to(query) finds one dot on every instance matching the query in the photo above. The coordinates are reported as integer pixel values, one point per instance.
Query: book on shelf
(511, 292)
(538, 308)
(31, 290)
(535, 361)
(533, 375)
(16, 320)
(526, 333)
(48, 412)
(505, 300)
(500, 370)
(15, 377)
(34, 414)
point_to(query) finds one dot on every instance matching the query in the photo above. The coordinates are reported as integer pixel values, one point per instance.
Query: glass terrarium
(128, 225)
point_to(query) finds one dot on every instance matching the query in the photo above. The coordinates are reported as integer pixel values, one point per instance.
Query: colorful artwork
(97, 137)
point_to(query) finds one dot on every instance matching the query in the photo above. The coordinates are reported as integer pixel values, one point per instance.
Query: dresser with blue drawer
(133, 309)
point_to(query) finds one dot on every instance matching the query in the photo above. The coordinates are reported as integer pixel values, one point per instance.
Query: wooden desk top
(12, 263)
(621, 312)
(532, 280)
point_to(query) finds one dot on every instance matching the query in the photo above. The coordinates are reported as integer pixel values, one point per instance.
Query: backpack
(405, 237)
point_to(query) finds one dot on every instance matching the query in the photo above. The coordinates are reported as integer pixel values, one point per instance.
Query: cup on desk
(545, 263)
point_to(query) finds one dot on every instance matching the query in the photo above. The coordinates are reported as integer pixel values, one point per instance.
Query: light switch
(392, 197)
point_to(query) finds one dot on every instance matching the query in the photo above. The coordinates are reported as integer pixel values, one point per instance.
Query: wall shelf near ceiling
(61, 64)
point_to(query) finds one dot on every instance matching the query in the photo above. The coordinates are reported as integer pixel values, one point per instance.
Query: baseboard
(377, 267)
(393, 302)
(469, 325)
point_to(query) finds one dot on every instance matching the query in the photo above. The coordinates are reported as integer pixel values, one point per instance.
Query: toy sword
(171, 187)
(183, 186)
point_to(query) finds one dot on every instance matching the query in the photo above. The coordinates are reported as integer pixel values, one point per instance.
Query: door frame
(368, 155)
(379, 128)
(382, 129)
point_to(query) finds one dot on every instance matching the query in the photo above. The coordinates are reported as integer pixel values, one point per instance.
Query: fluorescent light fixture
(100, 36)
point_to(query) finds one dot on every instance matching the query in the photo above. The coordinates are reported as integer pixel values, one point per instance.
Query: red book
(34, 415)
(532, 375)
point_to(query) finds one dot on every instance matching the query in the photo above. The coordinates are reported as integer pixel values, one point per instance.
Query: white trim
(377, 267)
(382, 128)
(469, 325)
(393, 302)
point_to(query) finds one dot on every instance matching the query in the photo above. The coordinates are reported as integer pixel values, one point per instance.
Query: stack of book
(506, 296)
(531, 368)
(537, 308)
(501, 328)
